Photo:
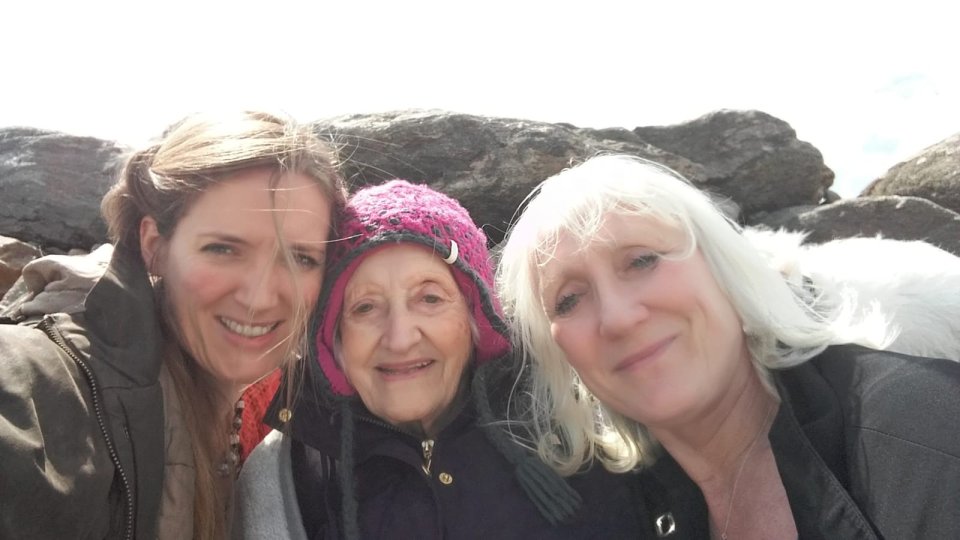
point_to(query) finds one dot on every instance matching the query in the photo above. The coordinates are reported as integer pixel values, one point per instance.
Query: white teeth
(246, 330)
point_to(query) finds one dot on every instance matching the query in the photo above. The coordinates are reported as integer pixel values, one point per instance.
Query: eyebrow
(314, 247)
(223, 237)
(318, 247)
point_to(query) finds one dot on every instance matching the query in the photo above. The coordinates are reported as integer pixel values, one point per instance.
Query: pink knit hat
(396, 212)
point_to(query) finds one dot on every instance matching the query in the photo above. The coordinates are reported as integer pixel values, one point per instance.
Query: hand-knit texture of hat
(399, 211)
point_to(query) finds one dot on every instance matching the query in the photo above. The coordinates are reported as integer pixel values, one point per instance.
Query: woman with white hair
(660, 337)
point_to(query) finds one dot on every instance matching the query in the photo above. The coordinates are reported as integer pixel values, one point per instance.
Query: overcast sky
(868, 84)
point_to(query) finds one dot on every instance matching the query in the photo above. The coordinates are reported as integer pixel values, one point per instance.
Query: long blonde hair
(161, 182)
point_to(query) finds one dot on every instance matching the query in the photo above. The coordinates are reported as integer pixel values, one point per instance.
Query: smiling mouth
(404, 369)
(247, 330)
(644, 355)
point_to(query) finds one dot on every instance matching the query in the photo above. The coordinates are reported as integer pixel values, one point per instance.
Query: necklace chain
(231, 459)
(743, 462)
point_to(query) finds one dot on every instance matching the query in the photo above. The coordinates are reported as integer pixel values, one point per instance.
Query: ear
(150, 243)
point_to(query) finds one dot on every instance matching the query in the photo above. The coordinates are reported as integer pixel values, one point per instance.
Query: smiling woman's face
(235, 299)
(653, 337)
(405, 336)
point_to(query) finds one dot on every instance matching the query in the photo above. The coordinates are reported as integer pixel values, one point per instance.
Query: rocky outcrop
(491, 164)
(51, 185)
(488, 164)
(750, 157)
(933, 174)
(899, 218)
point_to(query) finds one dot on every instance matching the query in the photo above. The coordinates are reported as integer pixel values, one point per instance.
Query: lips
(646, 354)
(247, 330)
(404, 368)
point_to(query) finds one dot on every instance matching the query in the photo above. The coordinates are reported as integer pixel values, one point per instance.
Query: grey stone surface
(901, 218)
(749, 156)
(933, 174)
(51, 185)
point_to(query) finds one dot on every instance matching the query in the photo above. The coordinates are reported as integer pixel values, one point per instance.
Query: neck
(231, 392)
(710, 447)
(430, 427)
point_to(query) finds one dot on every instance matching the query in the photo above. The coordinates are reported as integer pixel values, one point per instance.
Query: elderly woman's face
(405, 335)
(655, 339)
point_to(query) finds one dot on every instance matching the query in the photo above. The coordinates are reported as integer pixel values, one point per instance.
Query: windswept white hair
(912, 283)
(784, 324)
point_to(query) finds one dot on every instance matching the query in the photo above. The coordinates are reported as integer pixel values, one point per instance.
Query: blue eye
(307, 262)
(647, 260)
(565, 304)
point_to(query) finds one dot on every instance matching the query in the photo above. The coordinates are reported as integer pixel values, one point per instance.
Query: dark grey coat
(867, 444)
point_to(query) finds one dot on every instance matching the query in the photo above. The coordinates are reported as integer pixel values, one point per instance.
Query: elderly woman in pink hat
(401, 427)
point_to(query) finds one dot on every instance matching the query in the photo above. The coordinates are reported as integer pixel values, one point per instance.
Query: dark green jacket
(81, 416)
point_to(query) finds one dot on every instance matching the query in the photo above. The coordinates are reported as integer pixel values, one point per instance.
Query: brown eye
(364, 307)
(218, 248)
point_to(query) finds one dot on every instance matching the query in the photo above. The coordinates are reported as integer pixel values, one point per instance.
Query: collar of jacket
(121, 316)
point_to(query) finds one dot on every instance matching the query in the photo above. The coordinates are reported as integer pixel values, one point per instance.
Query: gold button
(285, 415)
(445, 478)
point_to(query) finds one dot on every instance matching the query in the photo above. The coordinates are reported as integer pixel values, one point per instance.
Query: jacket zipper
(427, 447)
(54, 335)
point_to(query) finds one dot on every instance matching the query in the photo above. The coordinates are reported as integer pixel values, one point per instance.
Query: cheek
(464, 342)
(194, 284)
(355, 346)
(566, 337)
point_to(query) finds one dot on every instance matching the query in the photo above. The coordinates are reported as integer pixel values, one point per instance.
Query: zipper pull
(427, 446)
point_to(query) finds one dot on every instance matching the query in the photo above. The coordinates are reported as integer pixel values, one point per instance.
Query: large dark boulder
(492, 164)
(900, 218)
(489, 164)
(933, 174)
(749, 156)
(51, 185)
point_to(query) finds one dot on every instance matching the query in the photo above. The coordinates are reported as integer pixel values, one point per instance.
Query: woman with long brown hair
(119, 419)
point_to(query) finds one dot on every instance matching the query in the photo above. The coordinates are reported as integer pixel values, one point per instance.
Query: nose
(621, 308)
(260, 288)
(402, 332)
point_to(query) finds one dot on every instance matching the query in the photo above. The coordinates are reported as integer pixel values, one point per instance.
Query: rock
(749, 156)
(14, 255)
(489, 164)
(492, 164)
(933, 174)
(900, 218)
(52, 184)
